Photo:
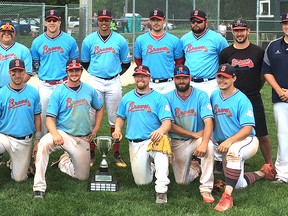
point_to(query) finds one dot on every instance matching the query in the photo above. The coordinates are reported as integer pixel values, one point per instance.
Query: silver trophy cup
(103, 180)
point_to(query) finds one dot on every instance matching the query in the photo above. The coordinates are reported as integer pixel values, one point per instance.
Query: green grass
(68, 196)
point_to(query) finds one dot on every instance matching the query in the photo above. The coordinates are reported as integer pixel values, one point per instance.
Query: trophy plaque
(103, 180)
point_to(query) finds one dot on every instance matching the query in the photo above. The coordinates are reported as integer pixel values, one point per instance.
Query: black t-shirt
(248, 63)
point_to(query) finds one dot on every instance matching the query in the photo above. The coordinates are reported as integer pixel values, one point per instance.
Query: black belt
(136, 140)
(199, 80)
(81, 135)
(182, 139)
(21, 138)
(161, 80)
(109, 78)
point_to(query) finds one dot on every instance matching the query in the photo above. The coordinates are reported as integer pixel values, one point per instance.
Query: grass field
(67, 196)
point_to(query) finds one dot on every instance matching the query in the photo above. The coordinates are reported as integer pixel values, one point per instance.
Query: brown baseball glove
(219, 186)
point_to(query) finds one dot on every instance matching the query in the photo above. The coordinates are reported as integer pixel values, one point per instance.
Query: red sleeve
(179, 61)
(138, 61)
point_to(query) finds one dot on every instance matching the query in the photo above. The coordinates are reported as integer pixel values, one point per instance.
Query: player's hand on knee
(58, 139)
(156, 135)
(200, 151)
(224, 146)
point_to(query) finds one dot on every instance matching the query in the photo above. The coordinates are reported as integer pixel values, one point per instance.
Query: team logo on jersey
(184, 114)
(12, 104)
(153, 50)
(222, 111)
(98, 50)
(71, 104)
(138, 108)
(249, 113)
(8, 56)
(191, 49)
(167, 108)
(48, 50)
(242, 63)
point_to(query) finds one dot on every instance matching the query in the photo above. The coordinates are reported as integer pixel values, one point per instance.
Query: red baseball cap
(142, 70)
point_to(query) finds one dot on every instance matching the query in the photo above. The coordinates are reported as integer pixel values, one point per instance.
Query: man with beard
(247, 59)
(160, 51)
(202, 49)
(148, 118)
(191, 129)
(105, 55)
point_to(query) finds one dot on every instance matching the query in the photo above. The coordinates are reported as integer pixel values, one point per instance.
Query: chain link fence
(29, 20)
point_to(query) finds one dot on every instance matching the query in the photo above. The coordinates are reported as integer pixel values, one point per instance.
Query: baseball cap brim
(141, 73)
(106, 17)
(182, 75)
(157, 17)
(224, 74)
(285, 20)
(52, 17)
(198, 17)
(239, 28)
(17, 68)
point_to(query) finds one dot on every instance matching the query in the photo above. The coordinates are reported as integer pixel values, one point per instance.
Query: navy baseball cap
(226, 70)
(7, 25)
(16, 64)
(284, 17)
(181, 70)
(156, 13)
(239, 24)
(73, 64)
(104, 13)
(142, 70)
(199, 14)
(52, 14)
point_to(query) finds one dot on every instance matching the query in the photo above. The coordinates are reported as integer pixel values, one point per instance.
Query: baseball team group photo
(200, 129)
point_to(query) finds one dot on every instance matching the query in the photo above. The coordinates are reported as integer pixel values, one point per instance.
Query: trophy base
(103, 181)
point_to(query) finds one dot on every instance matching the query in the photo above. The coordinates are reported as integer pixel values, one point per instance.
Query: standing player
(9, 50)
(50, 52)
(105, 55)
(149, 112)
(275, 72)
(202, 49)
(191, 132)
(69, 124)
(247, 59)
(234, 134)
(160, 51)
(20, 111)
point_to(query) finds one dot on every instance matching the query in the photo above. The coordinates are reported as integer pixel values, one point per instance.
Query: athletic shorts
(260, 118)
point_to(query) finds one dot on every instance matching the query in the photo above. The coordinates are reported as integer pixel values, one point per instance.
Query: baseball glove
(219, 186)
(162, 146)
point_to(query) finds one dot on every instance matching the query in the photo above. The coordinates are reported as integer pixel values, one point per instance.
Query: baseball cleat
(161, 198)
(269, 171)
(225, 203)
(207, 197)
(279, 181)
(118, 160)
(38, 194)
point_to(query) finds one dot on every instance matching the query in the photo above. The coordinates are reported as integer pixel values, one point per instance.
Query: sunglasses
(7, 27)
(52, 20)
(193, 21)
(182, 72)
(104, 20)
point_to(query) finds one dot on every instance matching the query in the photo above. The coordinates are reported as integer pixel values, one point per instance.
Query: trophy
(103, 180)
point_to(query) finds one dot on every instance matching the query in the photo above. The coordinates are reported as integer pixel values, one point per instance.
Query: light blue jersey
(145, 113)
(53, 54)
(158, 54)
(15, 51)
(71, 108)
(105, 57)
(231, 114)
(17, 110)
(202, 54)
(190, 113)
